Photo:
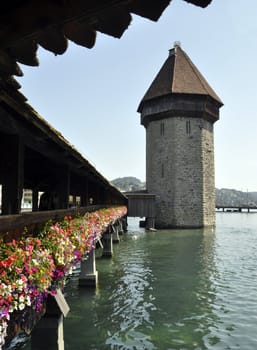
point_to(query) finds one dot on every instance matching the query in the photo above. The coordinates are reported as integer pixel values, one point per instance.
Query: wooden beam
(149, 9)
(53, 40)
(80, 33)
(201, 3)
(25, 52)
(8, 66)
(113, 21)
(63, 187)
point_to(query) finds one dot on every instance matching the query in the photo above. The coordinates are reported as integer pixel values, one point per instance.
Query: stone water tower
(178, 112)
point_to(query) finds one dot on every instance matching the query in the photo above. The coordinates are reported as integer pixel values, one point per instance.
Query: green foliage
(128, 183)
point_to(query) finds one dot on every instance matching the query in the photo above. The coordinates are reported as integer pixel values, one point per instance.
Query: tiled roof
(179, 75)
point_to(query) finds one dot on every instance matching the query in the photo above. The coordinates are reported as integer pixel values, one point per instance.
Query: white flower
(28, 301)
(19, 282)
(21, 306)
(21, 299)
(35, 262)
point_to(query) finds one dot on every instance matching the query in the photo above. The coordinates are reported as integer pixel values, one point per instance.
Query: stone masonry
(179, 170)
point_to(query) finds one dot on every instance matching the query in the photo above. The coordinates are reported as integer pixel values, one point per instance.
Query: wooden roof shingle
(178, 75)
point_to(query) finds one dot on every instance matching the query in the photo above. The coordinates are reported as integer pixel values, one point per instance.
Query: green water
(189, 289)
(171, 290)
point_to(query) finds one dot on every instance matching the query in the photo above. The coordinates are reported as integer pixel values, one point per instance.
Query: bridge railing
(12, 226)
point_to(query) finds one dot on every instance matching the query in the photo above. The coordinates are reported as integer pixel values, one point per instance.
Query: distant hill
(129, 183)
(230, 197)
(224, 196)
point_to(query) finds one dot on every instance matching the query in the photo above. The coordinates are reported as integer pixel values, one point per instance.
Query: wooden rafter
(26, 24)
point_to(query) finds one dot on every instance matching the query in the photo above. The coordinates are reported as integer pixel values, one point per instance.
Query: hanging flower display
(33, 267)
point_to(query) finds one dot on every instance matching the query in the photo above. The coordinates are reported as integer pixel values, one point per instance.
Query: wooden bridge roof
(26, 24)
(179, 75)
(44, 141)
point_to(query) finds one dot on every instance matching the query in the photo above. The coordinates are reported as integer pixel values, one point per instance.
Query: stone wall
(180, 170)
(208, 174)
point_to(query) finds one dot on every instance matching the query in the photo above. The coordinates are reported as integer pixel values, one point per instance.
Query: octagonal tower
(178, 112)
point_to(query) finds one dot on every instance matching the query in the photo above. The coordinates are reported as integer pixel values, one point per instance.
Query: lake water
(171, 290)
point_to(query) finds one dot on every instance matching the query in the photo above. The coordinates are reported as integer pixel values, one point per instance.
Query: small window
(188, 127)
(162, 129)
(162, 170)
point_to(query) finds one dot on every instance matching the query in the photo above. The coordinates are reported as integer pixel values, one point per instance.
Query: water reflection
(132, 299)
(236, 289)
(157, 293)
(183, 266)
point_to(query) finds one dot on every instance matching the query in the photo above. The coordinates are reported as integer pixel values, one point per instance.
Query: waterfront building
(178, 112)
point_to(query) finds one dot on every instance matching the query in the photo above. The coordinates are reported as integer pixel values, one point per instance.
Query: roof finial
(174, 49)
(177, 44)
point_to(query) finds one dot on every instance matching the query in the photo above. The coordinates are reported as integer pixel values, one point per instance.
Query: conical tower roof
(179, 75)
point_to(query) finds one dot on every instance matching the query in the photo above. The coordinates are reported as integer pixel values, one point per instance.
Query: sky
(91, 95)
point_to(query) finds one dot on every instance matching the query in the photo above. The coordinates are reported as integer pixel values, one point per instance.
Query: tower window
(188, 127)
(162, 170)
(162, 129)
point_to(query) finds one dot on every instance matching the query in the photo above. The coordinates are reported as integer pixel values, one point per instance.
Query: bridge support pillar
(115, 233)
(88, 274)
(35, 197)
(120, 226)
(48, 333)
(124, 223)
(150, 223)
(107, 245)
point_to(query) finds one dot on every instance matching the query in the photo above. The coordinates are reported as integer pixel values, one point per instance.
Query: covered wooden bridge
(33, 155)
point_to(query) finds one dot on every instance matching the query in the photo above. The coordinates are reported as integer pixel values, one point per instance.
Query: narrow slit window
(188, 127)
(162, 129)
(162, 170)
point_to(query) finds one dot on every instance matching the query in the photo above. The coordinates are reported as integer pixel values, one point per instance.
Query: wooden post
(150, 221)
(35, 199)
(84, 194)
(63, 188)
(74, 200)
(88, 274)
(13, 177)
(120, 226)
(48, 333)
(97, 194)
